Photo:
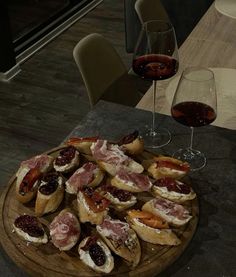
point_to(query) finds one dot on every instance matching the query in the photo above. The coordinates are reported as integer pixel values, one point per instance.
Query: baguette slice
(149, 234)
(120, 199)
(65, 230)
(132, 144)
(121, 239)
(174, 190)
(163, 166)
(29, 174)
(50, 194)
(30, 229)
(175, 214)
(111, 158)
(67, 160)
(103, 261)
(86, 205)
(82, 144)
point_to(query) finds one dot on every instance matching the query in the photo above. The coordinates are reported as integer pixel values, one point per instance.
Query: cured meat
(29, 181)
(110, 153)
(65, 230)
(114, 229)
(40, 162)
(170, 208)
(96, 202)
(82, 177)
(140, 180)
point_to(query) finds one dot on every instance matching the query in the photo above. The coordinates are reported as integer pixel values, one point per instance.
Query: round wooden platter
(47, 260)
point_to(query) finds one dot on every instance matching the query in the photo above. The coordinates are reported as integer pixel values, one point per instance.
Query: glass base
(195, 158)
(156, 139)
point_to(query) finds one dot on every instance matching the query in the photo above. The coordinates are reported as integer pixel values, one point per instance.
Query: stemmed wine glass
(194, 105)
(156, 58)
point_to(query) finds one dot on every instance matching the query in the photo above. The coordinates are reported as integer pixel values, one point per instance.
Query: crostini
(151, 228)
(67, 160)
(111, 158)
(30, 229)
(65, 230)
(172, 189)
(163, 166)
(121, 239)
(92, 207)
(50, 193)
(173, 213)
(95, 254)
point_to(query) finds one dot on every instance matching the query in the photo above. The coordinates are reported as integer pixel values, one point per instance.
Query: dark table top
(212, 251)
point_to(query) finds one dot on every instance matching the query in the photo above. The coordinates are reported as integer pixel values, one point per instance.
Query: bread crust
(151, 235)
(129, 186)
(86, 214)
(87, 260)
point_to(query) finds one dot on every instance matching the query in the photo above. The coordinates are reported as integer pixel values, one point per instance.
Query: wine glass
(194, 105)
(156, 58)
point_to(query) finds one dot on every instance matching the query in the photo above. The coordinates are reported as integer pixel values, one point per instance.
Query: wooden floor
(47, 99)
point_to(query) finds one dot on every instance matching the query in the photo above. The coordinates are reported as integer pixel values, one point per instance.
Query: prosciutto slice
(110, 153)
(114, 229)
(65, 230)
(41, 162)
(81, 177)
(171, 209)
(140, 180)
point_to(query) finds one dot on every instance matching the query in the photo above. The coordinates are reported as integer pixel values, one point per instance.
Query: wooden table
(211, 44)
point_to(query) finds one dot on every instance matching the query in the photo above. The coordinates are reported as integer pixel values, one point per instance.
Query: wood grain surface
(47, 260)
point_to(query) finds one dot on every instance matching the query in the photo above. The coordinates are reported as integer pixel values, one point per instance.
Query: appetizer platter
(92, 207)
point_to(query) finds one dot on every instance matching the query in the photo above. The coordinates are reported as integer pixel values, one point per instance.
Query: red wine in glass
(156, 58)
(193, 114)
(155, 67)
(194, 105)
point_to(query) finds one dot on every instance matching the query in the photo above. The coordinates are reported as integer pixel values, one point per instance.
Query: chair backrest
(99, 64)
(135, 13)
(132, 25)
(150, 10)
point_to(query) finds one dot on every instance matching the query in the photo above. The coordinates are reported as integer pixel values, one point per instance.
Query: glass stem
(191, 139)
(154, 106)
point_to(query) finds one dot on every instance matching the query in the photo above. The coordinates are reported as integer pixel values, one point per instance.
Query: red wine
(155, 67)
(194, 114)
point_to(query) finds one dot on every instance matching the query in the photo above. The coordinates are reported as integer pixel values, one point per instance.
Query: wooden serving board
(47, 260)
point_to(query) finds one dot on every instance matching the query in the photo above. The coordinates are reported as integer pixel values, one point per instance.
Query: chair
(103, 72)
(150, 10)
(136, 13)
